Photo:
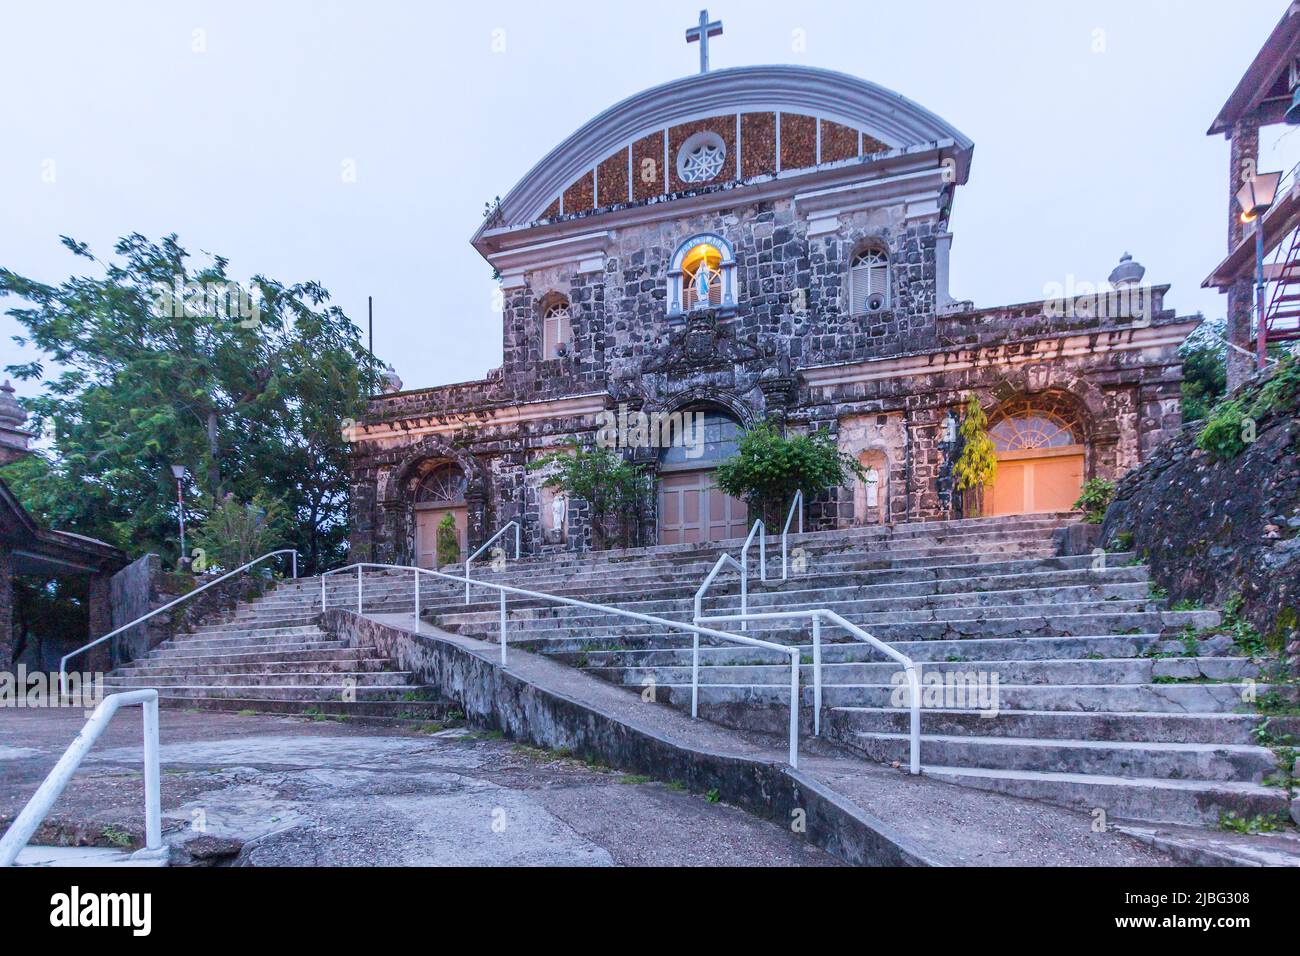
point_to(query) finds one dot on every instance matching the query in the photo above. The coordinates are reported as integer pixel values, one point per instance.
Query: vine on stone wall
(977, 465)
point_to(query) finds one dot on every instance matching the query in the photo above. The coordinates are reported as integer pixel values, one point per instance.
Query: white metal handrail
(63, 662)
(694, 629)
(817, 615)
(743, 564)
(795, 506)
(487, 544)
(27, 821)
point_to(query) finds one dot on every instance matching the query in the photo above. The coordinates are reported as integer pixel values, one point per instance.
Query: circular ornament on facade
(701, 157)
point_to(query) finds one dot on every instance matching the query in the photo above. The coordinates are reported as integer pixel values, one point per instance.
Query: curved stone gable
(782, 117)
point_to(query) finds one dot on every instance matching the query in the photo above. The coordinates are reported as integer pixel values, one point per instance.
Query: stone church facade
(762, 243)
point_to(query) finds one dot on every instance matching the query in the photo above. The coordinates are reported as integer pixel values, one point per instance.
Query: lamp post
(1255, 198)
(179, 472)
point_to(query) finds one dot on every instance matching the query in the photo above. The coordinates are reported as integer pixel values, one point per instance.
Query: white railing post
(468, 561)
(358, 589)
(31, 815)
(416, 569)
(914, 692)
(744, 593)
(503, 628)
(152, 783)
(322, 594)
(794, 708)
(762, 555)
(695, 674)
(817, 676)
(796, 505)
(295, 565)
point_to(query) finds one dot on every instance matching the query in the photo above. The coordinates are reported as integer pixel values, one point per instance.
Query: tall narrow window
(702, 277)
(557, 330)
(869, 282)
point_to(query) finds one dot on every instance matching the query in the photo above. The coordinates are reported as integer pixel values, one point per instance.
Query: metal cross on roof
(702, 34)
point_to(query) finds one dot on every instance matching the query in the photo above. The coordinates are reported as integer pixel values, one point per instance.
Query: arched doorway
(439, 493)
(691, 510)
(1040, 462)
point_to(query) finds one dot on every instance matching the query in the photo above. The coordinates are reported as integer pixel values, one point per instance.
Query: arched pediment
(629, 151)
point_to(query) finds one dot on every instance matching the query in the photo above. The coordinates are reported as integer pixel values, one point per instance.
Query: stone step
(282, 664)
(365, 710)
(250, 641)
(614, 634)
(323, 651)
(831, 585)
(1226, 728)
(301, 692)
(1105, 647)
(1094, 698)
(302, 678)
(1169, 761)
(1063, 600)
(1146, 799)
(1131, 671)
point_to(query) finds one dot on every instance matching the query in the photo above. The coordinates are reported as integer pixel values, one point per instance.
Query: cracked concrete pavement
(273, 791)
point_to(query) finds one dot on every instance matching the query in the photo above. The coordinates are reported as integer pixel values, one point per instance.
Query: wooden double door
(691, 511)
(1034, 480)
(427, 520)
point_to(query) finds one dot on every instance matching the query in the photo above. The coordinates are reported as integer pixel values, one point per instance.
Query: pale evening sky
(1089, 122)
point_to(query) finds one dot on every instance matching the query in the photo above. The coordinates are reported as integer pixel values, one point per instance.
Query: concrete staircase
(1102, 701)
(270, 656)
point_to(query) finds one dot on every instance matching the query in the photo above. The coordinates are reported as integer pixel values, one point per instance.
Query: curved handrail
(817, 615)
(797, 503)
(694, 629)
(488, 543)
(63, 663)
(25, 824)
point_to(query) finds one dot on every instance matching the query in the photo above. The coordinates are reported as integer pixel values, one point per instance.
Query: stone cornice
(433, 423)
(1019, 352)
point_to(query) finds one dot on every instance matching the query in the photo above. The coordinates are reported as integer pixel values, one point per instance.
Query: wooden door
(426, 533)
(1031, 481)
(690, 511)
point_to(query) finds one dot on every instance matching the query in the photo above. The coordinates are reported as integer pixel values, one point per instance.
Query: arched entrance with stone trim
(440, 493)
(1041, 447)
(402, 486)
(690, 508)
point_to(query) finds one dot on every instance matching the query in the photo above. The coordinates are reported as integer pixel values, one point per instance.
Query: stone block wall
(1212, 529)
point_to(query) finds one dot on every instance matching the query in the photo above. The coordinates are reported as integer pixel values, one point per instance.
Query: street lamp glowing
(1257, 194)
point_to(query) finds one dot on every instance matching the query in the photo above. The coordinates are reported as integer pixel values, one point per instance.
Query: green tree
(235, 532)
(977, 465)
(155, 362)
(768, 468)
(1205, 378)
(613, 488)
(447, 545)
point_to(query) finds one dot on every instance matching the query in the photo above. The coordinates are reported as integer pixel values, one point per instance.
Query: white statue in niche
(873, 488)
(559, 504)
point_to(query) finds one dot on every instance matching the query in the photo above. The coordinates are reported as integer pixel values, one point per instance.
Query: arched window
(1031, 429)
(557, 330)
(445, 485)
(703, 275)
(869, 282)
(709, 436)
